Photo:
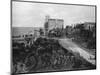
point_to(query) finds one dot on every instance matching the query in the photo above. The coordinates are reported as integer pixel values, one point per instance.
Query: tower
(47, 17)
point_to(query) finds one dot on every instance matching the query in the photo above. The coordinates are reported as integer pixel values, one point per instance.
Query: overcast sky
(27, 14)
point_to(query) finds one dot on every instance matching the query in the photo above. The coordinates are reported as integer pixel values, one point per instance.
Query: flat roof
(57, 19)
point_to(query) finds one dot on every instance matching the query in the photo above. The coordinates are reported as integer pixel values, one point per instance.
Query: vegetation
(55, 33)
(45, 53)
(83, 35)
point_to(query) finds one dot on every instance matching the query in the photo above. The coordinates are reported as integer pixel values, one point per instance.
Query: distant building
(89, 25)
(36, 33)
(52, 24)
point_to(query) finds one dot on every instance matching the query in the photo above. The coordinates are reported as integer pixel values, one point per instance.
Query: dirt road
(69, 45)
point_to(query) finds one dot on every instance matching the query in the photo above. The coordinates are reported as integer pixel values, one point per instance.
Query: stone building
(52, 24)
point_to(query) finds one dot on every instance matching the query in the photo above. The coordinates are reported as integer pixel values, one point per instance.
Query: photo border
(56, 4)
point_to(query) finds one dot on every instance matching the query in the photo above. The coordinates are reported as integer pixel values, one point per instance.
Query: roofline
(56, 19)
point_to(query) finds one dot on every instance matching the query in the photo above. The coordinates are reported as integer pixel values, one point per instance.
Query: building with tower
(52, 24)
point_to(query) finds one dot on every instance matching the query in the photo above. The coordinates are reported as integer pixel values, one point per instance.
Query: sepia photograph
(52, 37)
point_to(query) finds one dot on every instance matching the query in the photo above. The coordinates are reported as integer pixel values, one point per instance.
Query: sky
(29, 14)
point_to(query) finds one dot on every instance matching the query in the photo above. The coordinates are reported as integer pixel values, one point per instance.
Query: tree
(57, 32)
(41, 31)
